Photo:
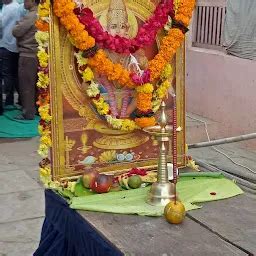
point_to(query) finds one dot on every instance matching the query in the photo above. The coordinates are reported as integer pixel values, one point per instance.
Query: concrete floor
(21, 198)
(229, 223)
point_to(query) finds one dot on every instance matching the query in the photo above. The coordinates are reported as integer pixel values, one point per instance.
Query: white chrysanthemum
(80, 59)
(93, 90)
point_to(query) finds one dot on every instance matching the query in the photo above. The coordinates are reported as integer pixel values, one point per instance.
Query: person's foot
(22, 117)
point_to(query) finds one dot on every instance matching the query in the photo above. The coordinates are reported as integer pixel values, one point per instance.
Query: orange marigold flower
(42, 25)
(184, 12)
(144, 101)
(145, 121)
(64, 9)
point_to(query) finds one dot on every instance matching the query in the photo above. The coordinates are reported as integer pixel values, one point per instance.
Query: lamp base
(161, 193)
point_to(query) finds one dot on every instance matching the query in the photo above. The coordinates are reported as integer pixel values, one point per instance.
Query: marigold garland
(115, 72)
(184, 11)
(169, 45)
(99, 61)
(148, 98)
(145, 36)
(44, 128)
(144, 103)
(64, 10)
(98, 101)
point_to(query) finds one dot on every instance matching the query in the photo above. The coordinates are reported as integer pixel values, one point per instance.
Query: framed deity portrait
(82, 139)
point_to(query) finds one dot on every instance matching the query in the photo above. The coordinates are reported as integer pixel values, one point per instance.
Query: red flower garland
(145, 36)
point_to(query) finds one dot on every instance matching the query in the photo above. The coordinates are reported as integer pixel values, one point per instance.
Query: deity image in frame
(84, 138)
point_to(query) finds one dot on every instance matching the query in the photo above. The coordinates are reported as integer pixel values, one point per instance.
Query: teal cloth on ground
(193, 188)
(12, 128)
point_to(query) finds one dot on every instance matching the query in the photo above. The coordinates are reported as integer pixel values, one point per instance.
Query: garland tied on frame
(148, 98)
(145, 36)
(98, 61)
(168, 48)
(44, 128)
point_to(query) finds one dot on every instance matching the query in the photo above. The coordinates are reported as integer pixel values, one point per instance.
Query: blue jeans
(9, 74)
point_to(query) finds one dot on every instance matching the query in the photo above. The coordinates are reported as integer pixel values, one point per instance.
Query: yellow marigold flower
(114, 122)
(42, 38)
(46, 171)
(46, 140)
(162, 90)
(43, 80)
(87, 74)
(145, 88)
(167, 72)
(128, 125)
(43, 150)
(121, 124)
(98, 102)
(46, 132)
(156, 104)
(102, 106)
(44, 112)
(43, 58)
(43, 12)
(46, 117)
(103, 109)
(40, 129)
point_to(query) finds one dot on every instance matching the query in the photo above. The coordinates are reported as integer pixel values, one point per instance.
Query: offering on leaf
(102, 183)
(80, 190)
(174, 212)
(89, 178)
(134, 181)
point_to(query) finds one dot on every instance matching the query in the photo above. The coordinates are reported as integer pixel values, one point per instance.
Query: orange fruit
(174, 212)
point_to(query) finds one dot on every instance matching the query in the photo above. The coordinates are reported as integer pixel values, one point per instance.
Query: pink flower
(146, 34)
(144, 78)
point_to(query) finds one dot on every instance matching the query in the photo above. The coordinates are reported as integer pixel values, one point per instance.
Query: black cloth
(9, 73)
(66, 233)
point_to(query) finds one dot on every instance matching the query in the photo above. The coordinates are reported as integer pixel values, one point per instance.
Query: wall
(222, 88)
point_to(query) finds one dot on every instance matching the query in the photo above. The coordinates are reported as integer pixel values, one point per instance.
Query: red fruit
(89, 178)
(102, 183)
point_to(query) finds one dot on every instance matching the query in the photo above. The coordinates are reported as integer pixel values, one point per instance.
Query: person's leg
(27, 85)
(15, 65)
(9, 64)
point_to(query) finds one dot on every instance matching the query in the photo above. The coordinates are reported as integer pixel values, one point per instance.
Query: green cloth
(12, 128)
(193, 188)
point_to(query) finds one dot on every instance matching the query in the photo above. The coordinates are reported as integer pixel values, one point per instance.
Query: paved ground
(228, 224)
(21, 198)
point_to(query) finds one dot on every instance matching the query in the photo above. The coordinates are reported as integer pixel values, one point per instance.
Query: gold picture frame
(62, 82)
